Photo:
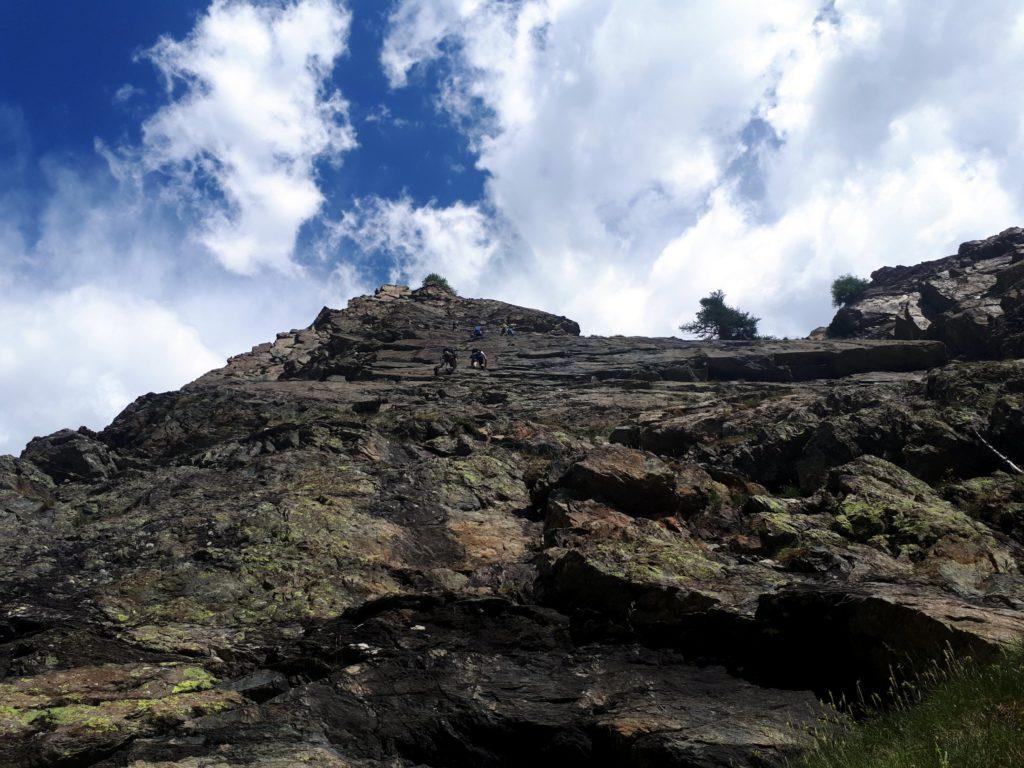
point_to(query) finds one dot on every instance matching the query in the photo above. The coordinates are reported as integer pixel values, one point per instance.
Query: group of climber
(507, 329)
(450, 361)
(477, 357)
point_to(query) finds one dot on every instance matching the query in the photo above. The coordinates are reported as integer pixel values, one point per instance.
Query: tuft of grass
(956, 714)
(791, 491)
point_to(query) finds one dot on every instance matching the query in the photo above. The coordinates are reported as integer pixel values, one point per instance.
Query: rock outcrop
(973, 301)
(604, 551)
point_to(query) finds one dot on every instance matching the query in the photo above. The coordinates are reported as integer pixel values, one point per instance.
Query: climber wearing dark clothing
(449, 361)
(478, 359)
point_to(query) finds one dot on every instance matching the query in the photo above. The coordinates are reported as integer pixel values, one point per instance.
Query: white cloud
(110, 301)
(82, 355)
(644, 152)
(781, 271)
(416, 31)
(458, 241)
(127, 92)
(249, 118)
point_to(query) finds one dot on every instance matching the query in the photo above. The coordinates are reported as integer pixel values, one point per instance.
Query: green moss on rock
(876, 502)
(194, 679)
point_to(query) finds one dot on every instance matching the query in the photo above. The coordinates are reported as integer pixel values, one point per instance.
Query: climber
(478, 359)
(478, 332)
(449, 361)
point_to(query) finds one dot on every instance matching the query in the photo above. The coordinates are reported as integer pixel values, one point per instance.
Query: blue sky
(181, 180)
(66, 66)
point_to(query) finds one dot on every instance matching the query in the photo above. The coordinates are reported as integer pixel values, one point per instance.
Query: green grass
(957, 715)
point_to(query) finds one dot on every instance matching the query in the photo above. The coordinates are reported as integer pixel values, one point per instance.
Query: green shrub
(437, 281)
(717, 320)
(846, 289)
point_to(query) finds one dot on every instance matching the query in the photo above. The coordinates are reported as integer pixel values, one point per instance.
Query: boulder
(849, 640)
(76, 716)
(634, 481)
(774, 521)
(568, 515)
(71, 455)
(22, 477)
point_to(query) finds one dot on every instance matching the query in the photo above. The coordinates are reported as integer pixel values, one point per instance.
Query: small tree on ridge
(846, 289)
(717, 320)
(437, 281)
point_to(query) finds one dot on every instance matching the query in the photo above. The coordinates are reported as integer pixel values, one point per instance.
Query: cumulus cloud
(103, 293)
(82, 355)
(458, 241)
(249, 118)
(109, 300)
(781, 270)
(644, 152)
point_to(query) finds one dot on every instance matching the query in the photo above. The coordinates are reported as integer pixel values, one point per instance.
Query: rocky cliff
(973, 301)
(601, 551)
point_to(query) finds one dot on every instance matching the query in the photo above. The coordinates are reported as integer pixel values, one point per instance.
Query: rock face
(973, 301)
(603, 551)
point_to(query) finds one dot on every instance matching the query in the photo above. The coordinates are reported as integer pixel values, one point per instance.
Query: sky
(182, 179)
